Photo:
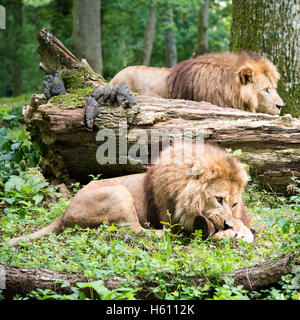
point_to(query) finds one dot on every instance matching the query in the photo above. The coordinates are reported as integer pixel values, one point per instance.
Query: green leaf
(22, 136)
(10, 200)
(18, 156)
(281, 221)
(286, 227)
(15, 145)
(237, 152)
(38, 198)
(7, 157)
(14, 182)
(26, 189)
(98, 286)
(284, 224)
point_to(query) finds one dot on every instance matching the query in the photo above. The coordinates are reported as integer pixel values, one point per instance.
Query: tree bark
(270, 144)
(170, 41)
(86, 32)
(149, 36)
(262, 275)
(273, 28)
(203, 19)
(22, 281)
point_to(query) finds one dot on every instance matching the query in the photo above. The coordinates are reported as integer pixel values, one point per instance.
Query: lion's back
(149, 81)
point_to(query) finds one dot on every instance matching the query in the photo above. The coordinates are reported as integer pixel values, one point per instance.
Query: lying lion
(245, 81)
(204, 191)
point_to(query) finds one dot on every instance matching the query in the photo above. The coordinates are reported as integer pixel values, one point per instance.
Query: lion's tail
(55, 227)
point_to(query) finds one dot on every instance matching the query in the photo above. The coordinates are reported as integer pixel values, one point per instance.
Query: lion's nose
(279, 106)
(228, 223)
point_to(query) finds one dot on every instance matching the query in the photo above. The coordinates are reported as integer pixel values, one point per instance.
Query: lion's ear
(246, 75)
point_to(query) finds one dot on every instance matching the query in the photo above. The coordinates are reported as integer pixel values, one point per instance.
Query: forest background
(112, 35)
(123, 35)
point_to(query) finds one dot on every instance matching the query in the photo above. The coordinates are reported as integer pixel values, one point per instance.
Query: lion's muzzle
(220, 219)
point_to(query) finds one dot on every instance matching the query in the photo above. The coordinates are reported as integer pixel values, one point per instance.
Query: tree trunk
(17, 41)
(149, 36)
(170, 41)
(272, 27)
(203, 19)
(270, 144)
(22, 281)
(86, 32)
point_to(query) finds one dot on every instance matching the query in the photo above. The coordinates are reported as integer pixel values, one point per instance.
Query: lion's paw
(232, 235)
(247, 237)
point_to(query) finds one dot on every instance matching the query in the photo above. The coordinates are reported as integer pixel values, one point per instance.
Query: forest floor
(145, 262)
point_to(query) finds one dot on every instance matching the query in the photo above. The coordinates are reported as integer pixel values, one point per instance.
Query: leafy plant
(230, 292)
(98, 287)
(294, 188)
(22, 193)
(17, 154)
(11, 117)
(95, 177)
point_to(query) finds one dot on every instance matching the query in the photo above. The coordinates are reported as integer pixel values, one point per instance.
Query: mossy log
(22, 281)
(270, 144)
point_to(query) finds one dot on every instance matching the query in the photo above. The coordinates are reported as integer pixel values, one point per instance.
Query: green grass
(11, 102)
(170, 267)
(167, 267)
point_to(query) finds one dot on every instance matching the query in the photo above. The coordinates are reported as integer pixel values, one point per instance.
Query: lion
(245, 81)
(202, 192)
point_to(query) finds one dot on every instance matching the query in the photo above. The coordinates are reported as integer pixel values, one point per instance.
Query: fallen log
(23, 281)
(270, 144)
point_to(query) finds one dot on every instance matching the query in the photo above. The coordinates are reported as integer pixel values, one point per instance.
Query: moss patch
(77, 78)
(74, 99)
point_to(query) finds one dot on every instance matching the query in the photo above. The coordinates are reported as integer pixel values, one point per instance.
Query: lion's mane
(218, 78)
(180, 188)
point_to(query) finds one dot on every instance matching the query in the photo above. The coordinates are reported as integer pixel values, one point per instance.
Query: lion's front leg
(238, 231)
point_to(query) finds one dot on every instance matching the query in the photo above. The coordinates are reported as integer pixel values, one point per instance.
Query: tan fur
(245, 81)
(186, 190)
(148, 81)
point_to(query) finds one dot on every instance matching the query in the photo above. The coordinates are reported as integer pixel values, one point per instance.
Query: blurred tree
(123, 29)
(272, 27)
(149, 35)
(203, 20)
(87, 32)
(16, 38)
(170, 40)
(18, 50)
(219, 25)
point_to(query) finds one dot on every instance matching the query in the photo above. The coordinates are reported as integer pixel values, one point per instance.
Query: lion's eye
(220, 200)
(267, 90)
(234, 205)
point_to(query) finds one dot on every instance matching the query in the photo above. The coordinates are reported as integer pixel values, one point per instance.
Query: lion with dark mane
(245, 81)
(202, 192)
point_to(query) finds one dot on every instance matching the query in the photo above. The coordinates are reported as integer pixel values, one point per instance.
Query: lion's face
(222, 202)
(209, 184)
(259, 93)
(268, 100)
